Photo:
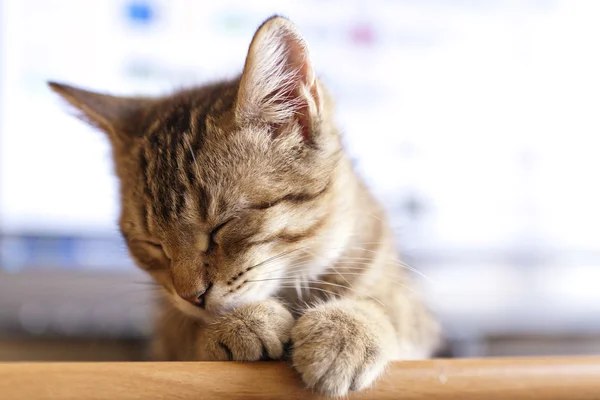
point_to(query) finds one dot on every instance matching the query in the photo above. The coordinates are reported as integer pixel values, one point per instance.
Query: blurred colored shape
(140, 12)
(13, 253)
(235, 22)
(362, 34)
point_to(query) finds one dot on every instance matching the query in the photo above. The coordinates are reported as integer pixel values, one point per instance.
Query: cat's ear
(278, 85)
(112, 114)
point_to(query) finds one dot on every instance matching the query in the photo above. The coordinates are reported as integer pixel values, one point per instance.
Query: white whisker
(317, 282)
(334, 294)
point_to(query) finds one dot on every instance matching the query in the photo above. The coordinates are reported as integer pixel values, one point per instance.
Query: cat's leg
(175, 335)
(251, 332)
(343, 345)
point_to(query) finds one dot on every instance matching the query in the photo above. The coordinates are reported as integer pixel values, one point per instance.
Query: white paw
(337, 350)
(250, 333)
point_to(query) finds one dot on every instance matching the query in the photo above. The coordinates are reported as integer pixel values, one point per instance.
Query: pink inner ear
(290, 95)
(302, 117)
(296, 58)
(278, 85)
(292, 98)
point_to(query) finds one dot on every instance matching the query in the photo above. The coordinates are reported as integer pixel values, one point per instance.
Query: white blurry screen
(476, 123)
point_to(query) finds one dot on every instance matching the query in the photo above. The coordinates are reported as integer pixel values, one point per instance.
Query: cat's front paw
(252, 332)
(337, 350)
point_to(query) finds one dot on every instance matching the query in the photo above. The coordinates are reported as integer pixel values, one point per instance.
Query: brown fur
(242, 188)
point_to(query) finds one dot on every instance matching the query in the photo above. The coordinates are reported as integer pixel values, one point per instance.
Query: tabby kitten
(239, 200)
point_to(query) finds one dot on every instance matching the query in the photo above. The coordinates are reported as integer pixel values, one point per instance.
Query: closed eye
(219, 227)
(296, 198)
(214, 232)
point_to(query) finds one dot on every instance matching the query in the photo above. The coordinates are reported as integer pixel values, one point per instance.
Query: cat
(238, 198)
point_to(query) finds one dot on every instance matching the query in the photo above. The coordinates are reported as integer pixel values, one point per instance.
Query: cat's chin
(216, 306)
(207, 315)
(192, 312)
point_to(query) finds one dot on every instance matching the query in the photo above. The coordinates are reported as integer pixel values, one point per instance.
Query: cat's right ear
(112, 114)
(278, 84)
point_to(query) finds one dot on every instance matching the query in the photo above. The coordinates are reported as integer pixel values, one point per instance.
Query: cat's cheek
(261, 291)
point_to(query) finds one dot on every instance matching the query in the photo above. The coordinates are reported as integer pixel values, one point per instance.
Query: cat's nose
(198, 299)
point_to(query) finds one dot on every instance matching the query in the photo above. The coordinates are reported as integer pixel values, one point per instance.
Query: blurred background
(477, 123)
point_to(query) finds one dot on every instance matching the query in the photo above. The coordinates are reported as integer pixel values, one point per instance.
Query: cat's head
(222, 184)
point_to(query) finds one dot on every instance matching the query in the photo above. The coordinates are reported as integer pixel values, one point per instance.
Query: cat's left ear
(278, 85)
(117, 116)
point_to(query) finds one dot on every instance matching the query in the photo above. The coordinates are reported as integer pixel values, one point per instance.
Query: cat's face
(210, 208)
(224, 187)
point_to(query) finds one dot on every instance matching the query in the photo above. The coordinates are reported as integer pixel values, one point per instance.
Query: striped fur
(242, 188)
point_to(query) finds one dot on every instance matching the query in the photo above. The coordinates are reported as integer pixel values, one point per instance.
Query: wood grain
(465, 379)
